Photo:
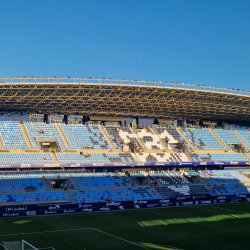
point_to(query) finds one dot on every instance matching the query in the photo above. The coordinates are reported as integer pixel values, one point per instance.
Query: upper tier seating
(150, 140)
(170, 136)
(33, 196)
(203, 139)
(218, 157)
(122, 134)
(84, 135)
(227, 136)
(244, 134)
(20, 183)
(162, 157)
(12, 135)
(113, 135)
(94, 158)
(7, 158)
(122, 194)
(50, 133)
(102, 181)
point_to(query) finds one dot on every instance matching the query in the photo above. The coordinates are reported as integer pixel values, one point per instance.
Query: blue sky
(202, 42)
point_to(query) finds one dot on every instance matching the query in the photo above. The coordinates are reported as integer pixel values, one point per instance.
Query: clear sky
(202, 42)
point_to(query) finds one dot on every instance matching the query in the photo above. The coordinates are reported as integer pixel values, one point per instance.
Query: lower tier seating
(102, 181)
(230, 189)
(33, 196)
(8, 158)
(121, 194)
(94, 158)
(162, 157)
(20, 184)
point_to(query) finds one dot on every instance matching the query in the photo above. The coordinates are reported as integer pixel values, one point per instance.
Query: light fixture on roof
(160, 81)
(135, 80)
(62, 77)
(177, 82)
(7, 77)
(117, 79)
(68, 77)
(110, 79)
(47, 77)
(166, 82)
(198, 85)
(96, 78)
(54, 77)
(123, 79)
(90, 77)
(76, 77)
(31, 77)
(39, 77)
(153, 81)
(15, 77)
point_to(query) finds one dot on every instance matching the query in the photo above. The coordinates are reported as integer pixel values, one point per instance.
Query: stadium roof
(108, 97)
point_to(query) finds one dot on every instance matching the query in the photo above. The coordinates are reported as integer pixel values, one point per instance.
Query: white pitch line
(66, 230)
(120, 238)
(229, 209)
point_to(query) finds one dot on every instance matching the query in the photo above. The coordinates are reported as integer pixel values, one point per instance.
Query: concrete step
(54, 157)
(26, 135)
(63, 136)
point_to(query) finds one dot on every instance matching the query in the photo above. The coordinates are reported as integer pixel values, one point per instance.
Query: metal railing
(137, 83)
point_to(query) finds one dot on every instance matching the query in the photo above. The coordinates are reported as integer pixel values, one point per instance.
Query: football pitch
(206, 227)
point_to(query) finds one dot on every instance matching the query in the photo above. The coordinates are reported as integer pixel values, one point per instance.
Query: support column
(47, 118)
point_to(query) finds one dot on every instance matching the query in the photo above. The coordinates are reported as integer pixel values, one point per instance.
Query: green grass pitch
(205, 227)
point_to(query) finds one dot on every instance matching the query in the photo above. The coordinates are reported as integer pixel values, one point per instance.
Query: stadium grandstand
(91, 144)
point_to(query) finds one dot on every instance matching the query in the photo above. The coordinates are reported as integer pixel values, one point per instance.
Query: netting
(13, 245)
(27, 246)
(18, 245)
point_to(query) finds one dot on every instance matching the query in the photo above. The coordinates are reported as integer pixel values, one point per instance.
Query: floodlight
(166, 82)
(159, 81)
(31, 77)
(135, 80)
(198, 85)
(90, 77)
(15, 77)
(103, 78)
(23, 76)
(62, 77)
(153, 81)
(68, 77)
(110, 79)
(47, 77)
(39, 77)
(123, 79)
(76, 77)
(117, 79)
(177, 82)
(7, 76)
(54, 77)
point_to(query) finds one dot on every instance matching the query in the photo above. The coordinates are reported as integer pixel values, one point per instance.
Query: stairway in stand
(64, 138)
(108, 139)
(54, 157)
(26, 135)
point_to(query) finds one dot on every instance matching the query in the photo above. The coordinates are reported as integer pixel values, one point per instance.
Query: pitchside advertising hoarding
(129, 164)
(33, 210)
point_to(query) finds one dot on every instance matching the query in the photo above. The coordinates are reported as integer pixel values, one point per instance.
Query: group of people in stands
(107, 199)
(86, 155)
(30, 188)
(88, 147)
(153, 183)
